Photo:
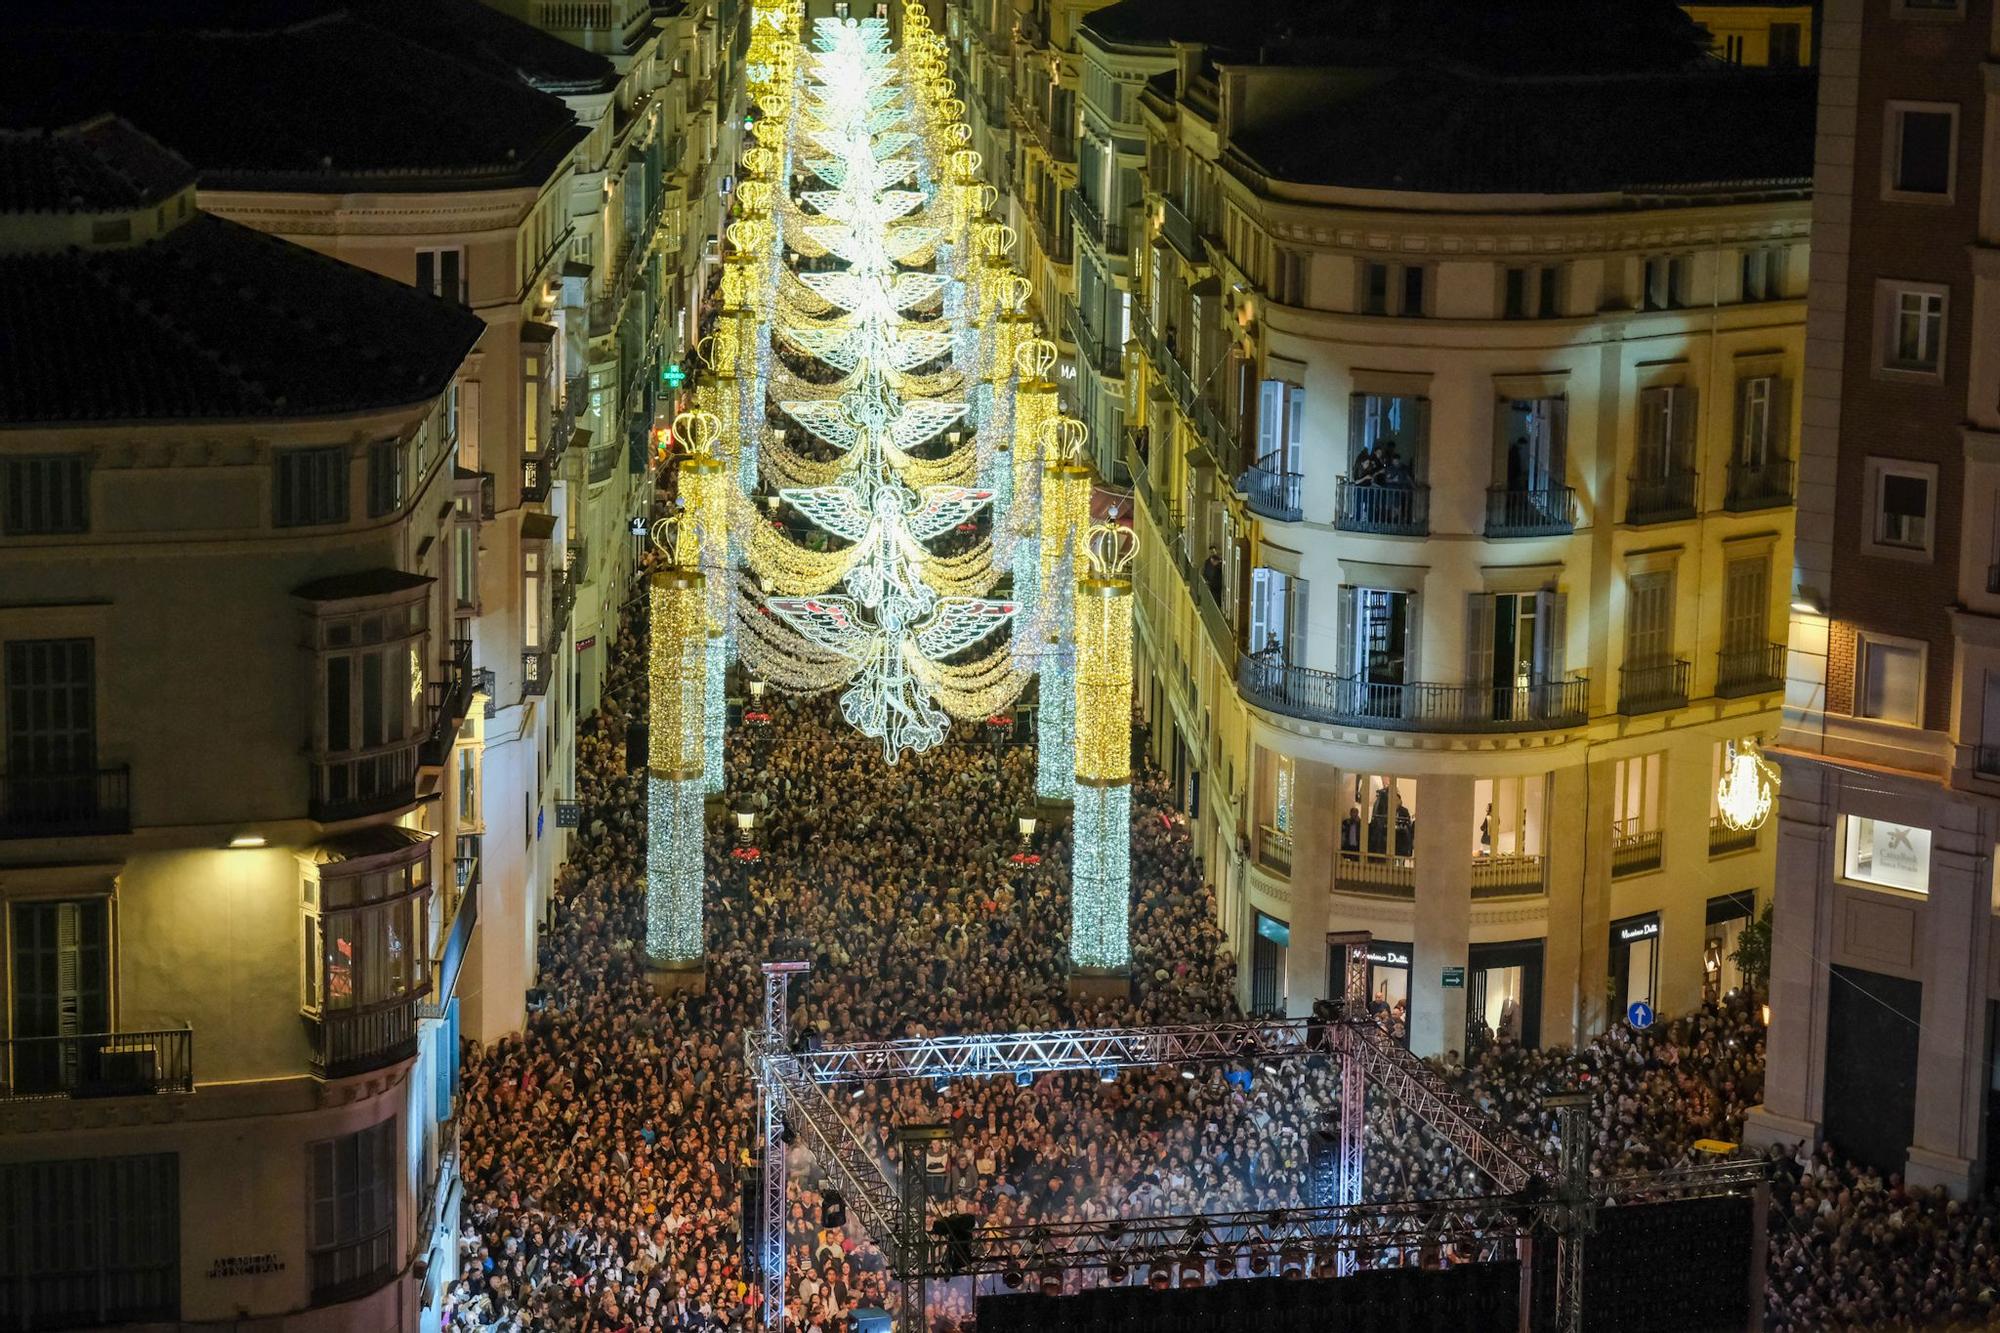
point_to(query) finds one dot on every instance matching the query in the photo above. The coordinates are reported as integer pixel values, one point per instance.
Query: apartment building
(1452, 393)
(235, 881)
(1758, 32)
(1883, 981)
(574, 216)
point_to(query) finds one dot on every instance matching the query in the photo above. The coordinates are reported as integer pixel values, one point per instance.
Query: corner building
(1459, 408)
(1883, 974)
(233, 906)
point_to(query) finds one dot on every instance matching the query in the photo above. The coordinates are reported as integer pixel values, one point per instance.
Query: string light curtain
(1101, 879)
(676, 757)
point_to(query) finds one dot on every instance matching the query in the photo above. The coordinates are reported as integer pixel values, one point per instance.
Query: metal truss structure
(1338, 1231)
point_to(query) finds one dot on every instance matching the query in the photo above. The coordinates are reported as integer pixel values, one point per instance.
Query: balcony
(1389, 510)
(349, 786)
(1754, 486)
(1634, 853)
(1090, 348)
(1507, 876)
(1722, 839)
(538, 475)
(460, 913)
(562, 599)
(536, 669)
(1109, 237)
(1376, 876)
(98, 1064)
(345, 1043)
(1275, 495)
(1320, 696)
(1661, 496)
(66, 805)
(1758, 670)
(450, 700)
(603, 462)
(1274, 850)
(1550, 512)
(1178, 230)
(1649, 687)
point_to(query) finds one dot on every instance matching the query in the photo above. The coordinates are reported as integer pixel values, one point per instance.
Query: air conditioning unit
(126, 1070)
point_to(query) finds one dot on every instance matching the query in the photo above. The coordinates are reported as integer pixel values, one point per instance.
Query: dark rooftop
(101, 166)
(377, 582)
(372, 94)
(214, 321)
(1445, 132)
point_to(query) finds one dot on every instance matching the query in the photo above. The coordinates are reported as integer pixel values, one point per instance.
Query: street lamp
(757, 693)
(746, 820)
(1026, 824)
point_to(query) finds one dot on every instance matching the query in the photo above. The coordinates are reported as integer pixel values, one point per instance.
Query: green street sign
(1454, 978)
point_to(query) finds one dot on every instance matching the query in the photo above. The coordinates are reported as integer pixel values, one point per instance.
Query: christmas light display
(1101, 878)
(678, 680)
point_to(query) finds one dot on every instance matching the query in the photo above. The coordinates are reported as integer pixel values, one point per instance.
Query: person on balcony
(1211, 574)
(1350, 834)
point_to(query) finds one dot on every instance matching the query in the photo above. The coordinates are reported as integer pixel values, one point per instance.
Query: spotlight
(1051, 1282)
(941, 1084)
(1258, 1263)
(1291, 1261)
(860, 1090)
(1012, 1278)
(1116, 1273)
(1158, 1280)
(1115, 1231)
(1187, 1072)
(1024, 1079)
(1269, 1067)
(242, 840)
(1106, 1074)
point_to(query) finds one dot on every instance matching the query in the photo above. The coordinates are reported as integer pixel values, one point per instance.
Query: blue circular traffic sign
(1640, 1015)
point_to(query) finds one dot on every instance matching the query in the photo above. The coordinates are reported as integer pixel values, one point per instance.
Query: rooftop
(201, 319)
(312, 95)
(1447, 132)
(101, 166)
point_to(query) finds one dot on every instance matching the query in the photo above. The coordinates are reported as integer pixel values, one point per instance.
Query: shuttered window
(1649, 619)
(1745, 599)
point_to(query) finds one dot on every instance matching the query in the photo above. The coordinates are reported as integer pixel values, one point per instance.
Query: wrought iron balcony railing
(1393, 510)
(1321, 696)
(536, 668)
(1661, 495)
(66, 805)
(1636, 852)
(1648, 687)
(98, 1064)
(355, 1042)
(1549, 512)
(1273, 494)
(1758, 670)
(1723, 839)
(1766, 485)
(348, 786)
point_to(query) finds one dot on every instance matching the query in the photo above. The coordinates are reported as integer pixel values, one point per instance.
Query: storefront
(1506, 992)
(1635, 963)
(1268, 949)
(1728, 915)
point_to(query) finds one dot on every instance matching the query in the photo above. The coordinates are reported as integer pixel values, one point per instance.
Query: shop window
(1886, 855)
(1504, 995)
(1727, 916)
(1378, 835)
(1635, 963)
(1268, 950)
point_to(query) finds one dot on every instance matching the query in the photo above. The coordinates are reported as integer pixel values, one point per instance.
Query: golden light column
(677, 676)
(1101, 878)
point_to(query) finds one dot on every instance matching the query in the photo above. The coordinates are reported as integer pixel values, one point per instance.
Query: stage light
(860, 1091)
(1106, 1074)
(1187, 1072)
(1013, 1278)
(1116, 1273)
(242, 840)
(1024, 1079)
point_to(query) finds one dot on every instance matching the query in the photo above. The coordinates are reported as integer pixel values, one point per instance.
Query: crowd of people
(605, 1148)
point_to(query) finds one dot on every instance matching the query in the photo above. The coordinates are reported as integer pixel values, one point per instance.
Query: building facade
(1883, 981)
(235, 887)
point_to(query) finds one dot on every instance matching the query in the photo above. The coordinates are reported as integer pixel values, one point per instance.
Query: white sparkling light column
(678, 678)
(1101, 878)
(1066, 487)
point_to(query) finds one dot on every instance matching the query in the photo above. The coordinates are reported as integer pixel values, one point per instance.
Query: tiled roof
(343, 100)
(102, 166)
(499, 43)
(214, 321)
(1434, 131)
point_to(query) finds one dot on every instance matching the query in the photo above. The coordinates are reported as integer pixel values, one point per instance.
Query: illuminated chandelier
(1749, 786)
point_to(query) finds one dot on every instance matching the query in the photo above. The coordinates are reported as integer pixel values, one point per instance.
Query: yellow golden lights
(677, 672)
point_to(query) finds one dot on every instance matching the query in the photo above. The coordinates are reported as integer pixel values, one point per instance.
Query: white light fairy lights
(1101, 879)
(678, 682)
(1748, 788)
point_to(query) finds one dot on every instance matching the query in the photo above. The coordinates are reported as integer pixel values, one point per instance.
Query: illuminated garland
(677, 678)
(1101, 879)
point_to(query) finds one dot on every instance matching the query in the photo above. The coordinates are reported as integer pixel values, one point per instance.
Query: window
(1635, 813)
(531, 599)
(1927, 8)
(1377, 629)
(1666, 431)
(1533, 442)
(1918, 158)
(311, 487)
(1392, 288)
(1786, 45)
(366, 934)
(1891, 856)
(1380, 827)
(1281, 412)
(1764, 273)
(1902, 496)
(1665, 281)
(385, 477)
(47, 495)
(465, 564)
(1649, 619)
(468, 787)
(1891, 684)
(1387, 435)
(372, 686)
(442, 274)
(1912, 334)
(1510, 818)
(51, 720)
(1746, 586)
(88, 1241)
(1529, 292)
(352, 1237)
(61, 957)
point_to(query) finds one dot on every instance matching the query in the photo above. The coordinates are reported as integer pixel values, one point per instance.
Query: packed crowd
(605, 1147)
